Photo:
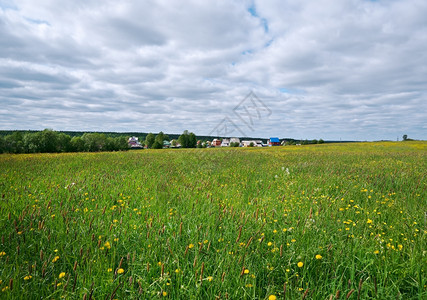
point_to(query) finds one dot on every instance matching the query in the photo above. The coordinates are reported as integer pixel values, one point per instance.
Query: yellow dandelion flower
(376, 252)
(210, 278)
(107, 245)
(269, 244)
(293, 240)
(109, 270)
(318, 256)
(285, 229)
(55, 259)
(300, 264)
(272, 297)
(246, 271)
(61, 275)
(2, 253)
(164, 294)
(400, 247)
(120, 271)
(177, 270)
(28, 277)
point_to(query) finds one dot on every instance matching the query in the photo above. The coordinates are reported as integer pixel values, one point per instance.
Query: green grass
(244, 218)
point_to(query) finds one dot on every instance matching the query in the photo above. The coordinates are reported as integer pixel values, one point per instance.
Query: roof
(274, 140)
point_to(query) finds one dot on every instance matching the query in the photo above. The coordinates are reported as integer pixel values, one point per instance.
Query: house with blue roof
(274, 141)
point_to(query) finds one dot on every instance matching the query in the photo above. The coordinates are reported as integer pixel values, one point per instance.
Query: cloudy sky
(347, 69)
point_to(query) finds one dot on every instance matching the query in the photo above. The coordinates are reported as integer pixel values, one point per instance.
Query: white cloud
(347, 69)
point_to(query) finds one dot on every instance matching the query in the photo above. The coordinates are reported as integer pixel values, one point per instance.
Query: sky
(348, 69)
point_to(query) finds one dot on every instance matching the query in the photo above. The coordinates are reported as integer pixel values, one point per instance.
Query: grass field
(321, 222)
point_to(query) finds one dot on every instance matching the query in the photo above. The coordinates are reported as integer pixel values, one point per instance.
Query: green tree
(321, 141)
(94, 141)
(149, 140)
(187, 139)
(405, 137)
(64, 142)
(31, 142)
(2, 148)
(13, 143)
(161, 137)
(121, 143)
(48, 141)
(183, 139)
(110, 144)
(77, 144)
(192, 140)
(157, 145)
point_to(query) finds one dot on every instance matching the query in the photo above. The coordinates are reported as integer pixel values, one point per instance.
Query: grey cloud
(352, 69)
(127, 33)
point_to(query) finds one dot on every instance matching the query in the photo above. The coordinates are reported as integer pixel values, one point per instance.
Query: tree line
(50, 141)
(185, 140)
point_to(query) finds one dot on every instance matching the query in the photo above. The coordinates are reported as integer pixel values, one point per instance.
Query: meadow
(331, 221)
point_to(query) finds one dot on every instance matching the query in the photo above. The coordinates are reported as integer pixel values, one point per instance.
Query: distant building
(134, 143)
(255, 143)
(225, 143)
(274, 141)
(166, 144)
(235, 140)
(216, 143)
(175, 144)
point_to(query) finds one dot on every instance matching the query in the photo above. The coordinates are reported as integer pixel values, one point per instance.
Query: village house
(274, 141)
(225, 143)
(175, 144)
(216, 143)
(252, 143)
(234, 140)
(134, 143)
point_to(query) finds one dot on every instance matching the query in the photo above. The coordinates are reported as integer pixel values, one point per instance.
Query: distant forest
(49, 141)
